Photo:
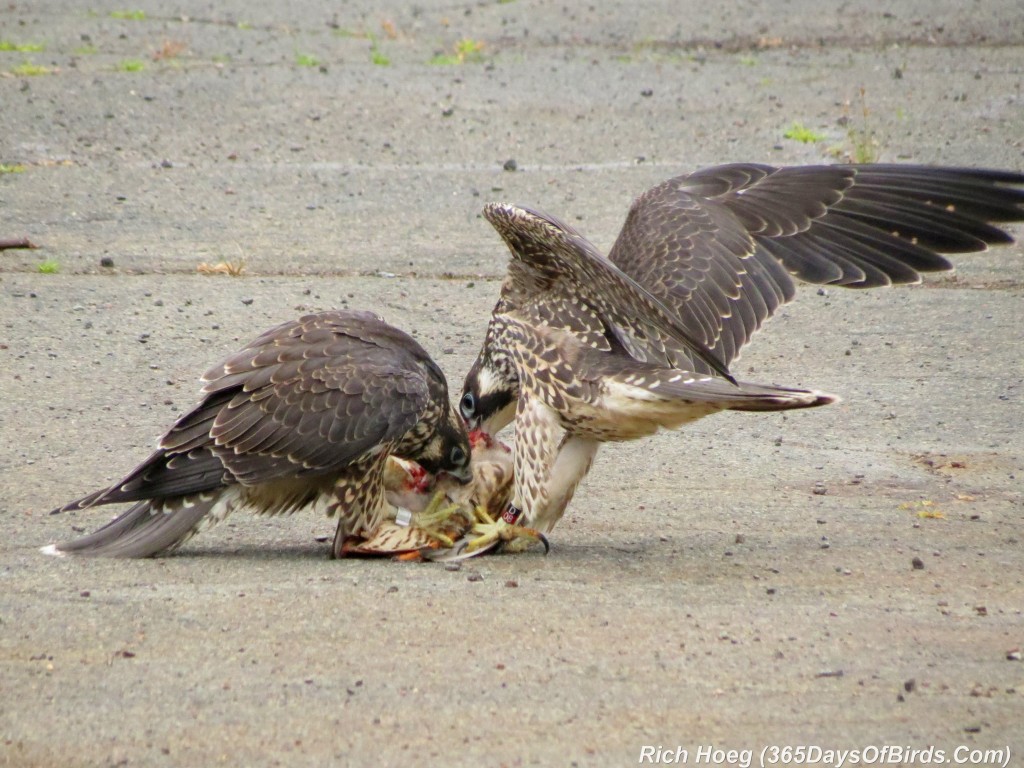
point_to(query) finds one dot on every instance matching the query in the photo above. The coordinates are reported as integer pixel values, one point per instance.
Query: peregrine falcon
(306, 415)
(582, 349)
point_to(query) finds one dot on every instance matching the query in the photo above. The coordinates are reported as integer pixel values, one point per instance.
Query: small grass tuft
(803, 134)
(465, 50)
(130, 15)
(15, 168)
(131, 65)
(48, 267)
(469, 50)
(862, 138)
(306, 60)
(31, 70)
(377, 56)
(7, 45)
(232, 268)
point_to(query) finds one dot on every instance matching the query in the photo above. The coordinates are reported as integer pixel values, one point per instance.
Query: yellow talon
(514, 537)
(436, 520)
(482, 515)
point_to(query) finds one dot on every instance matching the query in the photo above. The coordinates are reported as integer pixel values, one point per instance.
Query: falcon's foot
(441, 520)
(493, 532)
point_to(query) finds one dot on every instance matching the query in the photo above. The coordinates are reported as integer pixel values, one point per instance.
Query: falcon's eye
(457, 456)
(467, 405)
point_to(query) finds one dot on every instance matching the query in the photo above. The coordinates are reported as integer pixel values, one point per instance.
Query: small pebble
(918, 564)
(475, 577)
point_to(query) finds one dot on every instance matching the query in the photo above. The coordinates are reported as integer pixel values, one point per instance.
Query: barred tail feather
(759, 397)
(153, 526)
(652, 388)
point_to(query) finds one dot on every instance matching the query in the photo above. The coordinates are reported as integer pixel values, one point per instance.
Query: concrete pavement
(749, 582)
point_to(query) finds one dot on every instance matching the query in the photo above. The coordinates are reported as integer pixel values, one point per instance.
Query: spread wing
(723, 246)
(558, 278)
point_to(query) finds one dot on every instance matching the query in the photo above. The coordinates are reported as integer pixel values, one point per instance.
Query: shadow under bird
(306, 415)
(583, 349)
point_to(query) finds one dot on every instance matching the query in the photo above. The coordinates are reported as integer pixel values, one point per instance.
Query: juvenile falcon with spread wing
(305, 415)
(583, 349)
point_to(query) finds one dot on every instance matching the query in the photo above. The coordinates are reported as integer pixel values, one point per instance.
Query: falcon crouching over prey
(583, 349)
(306, 415)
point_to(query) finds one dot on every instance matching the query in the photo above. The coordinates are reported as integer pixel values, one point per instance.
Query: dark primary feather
(723, 246)
(147, 528)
